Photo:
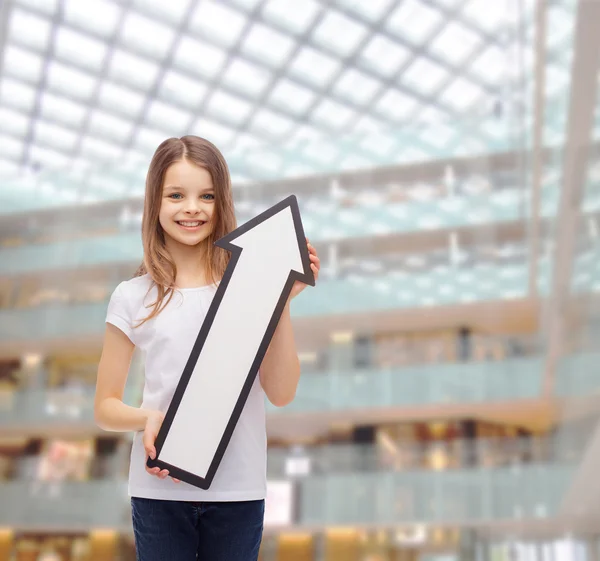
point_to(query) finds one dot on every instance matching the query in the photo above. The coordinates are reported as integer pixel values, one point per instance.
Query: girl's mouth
(190, 224)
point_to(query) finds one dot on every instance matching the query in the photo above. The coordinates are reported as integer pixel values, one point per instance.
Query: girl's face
(187, 205)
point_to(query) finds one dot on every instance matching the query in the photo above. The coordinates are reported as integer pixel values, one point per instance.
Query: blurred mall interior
(445, 155)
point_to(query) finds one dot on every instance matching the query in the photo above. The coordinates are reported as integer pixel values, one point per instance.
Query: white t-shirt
(167, 340)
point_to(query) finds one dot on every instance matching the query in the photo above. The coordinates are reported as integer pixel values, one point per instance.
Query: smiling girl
(188, 206)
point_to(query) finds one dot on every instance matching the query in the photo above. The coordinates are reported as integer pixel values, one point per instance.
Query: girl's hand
(315, 265)
(153, 424)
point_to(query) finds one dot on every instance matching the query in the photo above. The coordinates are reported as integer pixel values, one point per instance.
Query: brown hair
(158, 263)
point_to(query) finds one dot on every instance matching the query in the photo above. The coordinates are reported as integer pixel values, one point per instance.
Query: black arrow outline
(307, 278)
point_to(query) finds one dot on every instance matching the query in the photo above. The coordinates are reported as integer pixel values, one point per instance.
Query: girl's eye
(174, 195)
(210, 196)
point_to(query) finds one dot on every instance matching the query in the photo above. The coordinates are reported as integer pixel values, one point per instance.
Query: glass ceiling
(284, 88)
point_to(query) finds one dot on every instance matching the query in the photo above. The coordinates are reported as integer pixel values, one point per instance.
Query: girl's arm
(110, 413)
(280, 369)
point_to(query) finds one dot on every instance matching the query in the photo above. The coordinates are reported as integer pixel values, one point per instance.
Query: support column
(6, 544)
(104, 545)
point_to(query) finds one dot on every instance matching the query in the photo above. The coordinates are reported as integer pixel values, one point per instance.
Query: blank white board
(269, 254)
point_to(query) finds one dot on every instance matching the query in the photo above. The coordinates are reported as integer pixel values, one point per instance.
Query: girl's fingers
(176, 480)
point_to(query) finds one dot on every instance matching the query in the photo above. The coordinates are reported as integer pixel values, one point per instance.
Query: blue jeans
(207, 531)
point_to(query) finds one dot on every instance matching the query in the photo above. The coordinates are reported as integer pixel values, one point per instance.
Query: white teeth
(190, 224)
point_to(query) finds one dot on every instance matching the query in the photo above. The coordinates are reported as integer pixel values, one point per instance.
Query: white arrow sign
(269, 254)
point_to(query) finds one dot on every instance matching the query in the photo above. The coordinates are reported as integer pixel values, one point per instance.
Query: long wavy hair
(157, 262)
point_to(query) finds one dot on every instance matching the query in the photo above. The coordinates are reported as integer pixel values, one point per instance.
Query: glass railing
(515, 378)
(457, 497)
(354, 290)
(578, 375)
(510, 379)
(354, 294)
(329, 223)
(453, 497)
(476, 382)
(64, 506)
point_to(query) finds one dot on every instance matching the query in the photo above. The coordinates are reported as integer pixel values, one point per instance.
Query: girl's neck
(191, 264)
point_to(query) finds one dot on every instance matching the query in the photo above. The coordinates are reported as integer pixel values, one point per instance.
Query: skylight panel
(378, 143)
(384, 56)
(231, 108)
(54, 136)
(271, 123)
(8, 167)
(199, 57)
(302, 134)
(267, 44)
(489, 16)
(296, 16)
(143, 34)
(166, 117)
(16, 94)
(98, 16)
(177, 87)
(339, 33)
(79, 49)
(246, 5)
(10, 147)
(455, 43)
(48, 156)
(246, 77)
(172, 11)
(99, 149)
(48, 7)
(132, 70)
(490, 66)
(70, 82)
(220, 23)
(367, 124)
(356, 86)
(218, 134)
(108, 126)
(332, 114)
(321, 151)
(314, 67)
(120, 99)
(62, 109)
(431, 113)
(394, 105)
(413, 20)
(291, 97)
(424, 76)
(267, 162)
(437, 135)
(372, 10)
(22, 64)
(13, 122)
(30, 30)
(245, 141)
(461, 94)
